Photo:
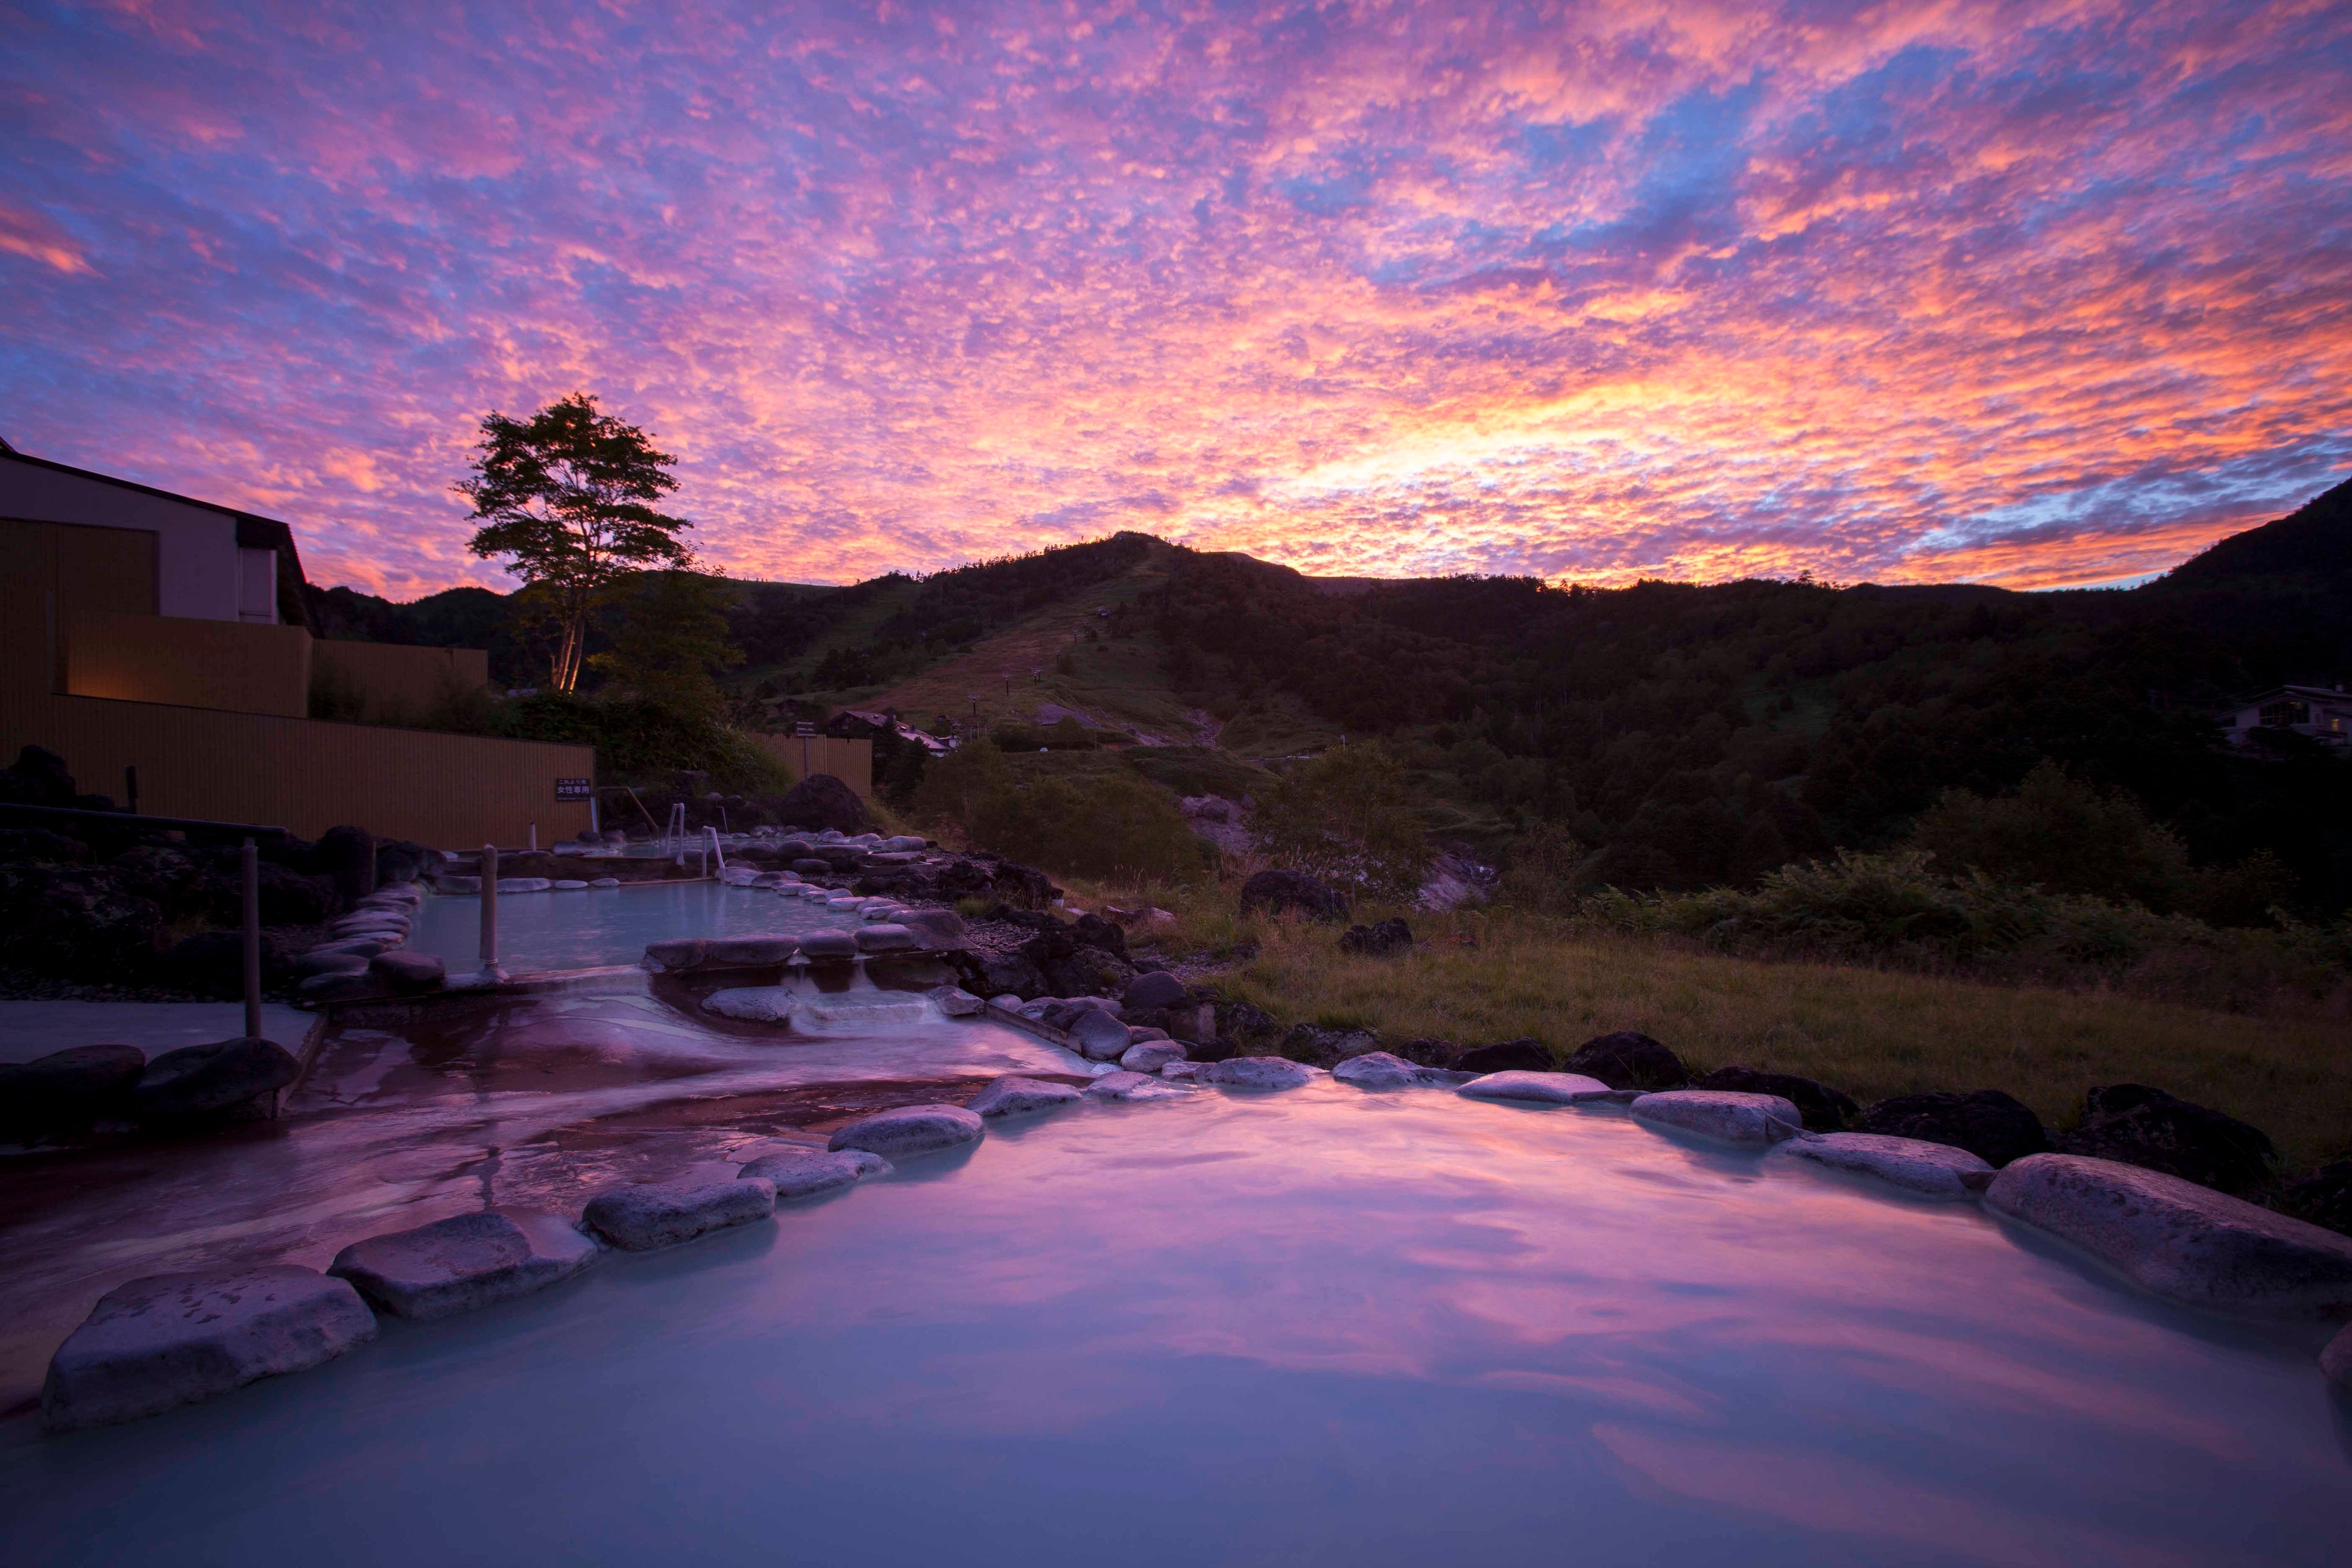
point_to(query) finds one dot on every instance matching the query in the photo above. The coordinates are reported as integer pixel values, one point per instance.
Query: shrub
(1346, 817)
(1109, 825)
(1541, 872)
(2058, 833)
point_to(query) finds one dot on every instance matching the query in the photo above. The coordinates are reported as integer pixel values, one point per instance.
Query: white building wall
(198, 567)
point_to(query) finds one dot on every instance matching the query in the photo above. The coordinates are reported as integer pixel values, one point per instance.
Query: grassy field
(1477, 978)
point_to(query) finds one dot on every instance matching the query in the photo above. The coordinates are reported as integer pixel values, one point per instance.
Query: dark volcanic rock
(40, 846)
(1244, 1020)
(1088, 971)
(1988, 1123)
(172, 877)
(76, 922)
(2136, 1125)
(1503, 1056)
(1825, 1109)
(65, 1091)
(401, 861)
(1157, 988)
(1424, 1051)
(823, 801)
(1326, 1048)
(346, 858)
(1628, 1059)
(1377, 941)
(230, 1076)
(289, 896)
(1279, 892)
(212, 962)
(2323, 1197)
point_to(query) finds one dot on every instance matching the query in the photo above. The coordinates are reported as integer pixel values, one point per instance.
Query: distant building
(2322, 712)
(151, 635)
(867, 724)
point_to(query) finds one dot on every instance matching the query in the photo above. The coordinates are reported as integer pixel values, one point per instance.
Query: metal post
(534, 837)
(249, 871)
(491, 909)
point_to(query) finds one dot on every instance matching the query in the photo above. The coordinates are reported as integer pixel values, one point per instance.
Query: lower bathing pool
(1322, 1326)
(589, 927)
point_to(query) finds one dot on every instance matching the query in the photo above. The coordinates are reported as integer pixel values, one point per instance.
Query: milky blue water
(1320, 1327)
(583, 928)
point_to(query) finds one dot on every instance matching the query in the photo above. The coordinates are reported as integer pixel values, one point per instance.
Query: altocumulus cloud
(2032, 292)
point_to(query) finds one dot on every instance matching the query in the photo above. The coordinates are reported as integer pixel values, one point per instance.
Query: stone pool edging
(2151, 1230)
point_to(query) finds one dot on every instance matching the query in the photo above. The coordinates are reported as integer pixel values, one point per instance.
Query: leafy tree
(2061, 833)
(673, 642)
(567, 498)
(1347, 816)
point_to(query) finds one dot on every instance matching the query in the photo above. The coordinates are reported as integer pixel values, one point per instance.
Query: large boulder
(753, 1004)
(1098, 1036)
(1628, 1059)
(1150, 1056)
(401, 861)
(809, 1173)
(1540, 1087)
(1986, 1123)
(466, 1261)
(1757, 1119)
(907, 1130)
(823, 801)
(1825, 1109)
(1125, 1086)
(2136, 1125)
(1281, 892)
(228, 1079)
(642, 1217)
(1014, 1095)
(171, 1339)
(1503, 1056)
(937, 928)
(66, 1090)
(407, 971)
(1157, 988)
(2323, 1197)
(2179, 1240)
(1323, 1047)
(746, 951)
(1088, 971)
(1930, 1170)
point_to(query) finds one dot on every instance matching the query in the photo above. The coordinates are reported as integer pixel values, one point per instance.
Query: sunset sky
(2033, 294)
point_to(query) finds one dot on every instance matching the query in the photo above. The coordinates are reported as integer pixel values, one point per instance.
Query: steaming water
(584, 928)
(1321, 1327)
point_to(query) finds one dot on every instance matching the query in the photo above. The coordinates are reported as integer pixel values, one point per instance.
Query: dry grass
(1870, 1032)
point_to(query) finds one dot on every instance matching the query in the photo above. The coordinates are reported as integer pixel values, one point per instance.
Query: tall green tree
(673, 642)
(567, 499)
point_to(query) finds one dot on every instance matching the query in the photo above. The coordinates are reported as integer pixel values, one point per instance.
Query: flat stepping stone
(676, 953)
(1379, 1069)
(829, 944)
(334, 985)
(2178, 1240)
(604, 881)
(643, 1218)
(1257, 1072)
(568, 884)
(1181, 1072)
(469, 1260)
(1724, 1115)
(907, 1130)
(169, 1340)
(1131, 1086)
(885, 936)
(1014, 1095)
(1539, 1087)
(328, 961)
(805, 1173)
(1150, 1056)
(198, 1081)
(748, 951)
(1913, 1164)
(524, 884)
(753, 1004)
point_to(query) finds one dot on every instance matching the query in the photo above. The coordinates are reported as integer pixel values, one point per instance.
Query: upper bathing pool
(587, 927)
(1323, 1326)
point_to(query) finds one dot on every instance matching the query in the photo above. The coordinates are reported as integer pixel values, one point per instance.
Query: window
(256, 585)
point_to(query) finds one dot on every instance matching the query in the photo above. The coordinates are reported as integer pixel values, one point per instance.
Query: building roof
(254, 531)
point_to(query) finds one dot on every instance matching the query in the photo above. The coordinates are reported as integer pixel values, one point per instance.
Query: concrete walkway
(29, 1029)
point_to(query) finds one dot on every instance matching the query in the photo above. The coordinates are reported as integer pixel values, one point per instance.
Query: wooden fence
(307, 774)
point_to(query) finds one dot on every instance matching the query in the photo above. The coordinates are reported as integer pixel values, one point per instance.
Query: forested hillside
(1687, 735)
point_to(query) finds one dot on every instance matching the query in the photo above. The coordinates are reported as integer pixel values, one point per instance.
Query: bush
(2057, 832)
(1895, 909)
(1541, 873)
(1109, 825)
(638, 738)
(1346, 817)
